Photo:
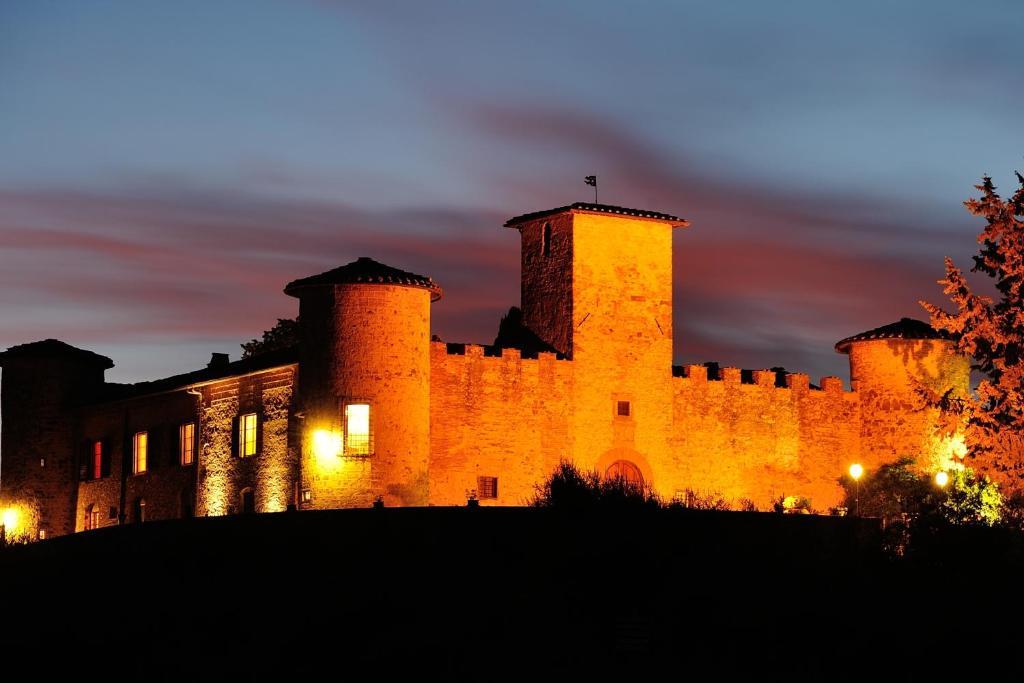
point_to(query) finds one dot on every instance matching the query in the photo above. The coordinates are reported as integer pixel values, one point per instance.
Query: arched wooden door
(625, 470)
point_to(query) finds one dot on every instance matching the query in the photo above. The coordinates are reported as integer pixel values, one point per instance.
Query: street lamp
(942, 479)
(856, 472)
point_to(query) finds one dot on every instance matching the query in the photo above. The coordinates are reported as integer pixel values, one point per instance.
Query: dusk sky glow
(165, 168)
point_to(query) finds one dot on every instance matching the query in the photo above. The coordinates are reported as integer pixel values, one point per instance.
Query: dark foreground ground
(503, 594)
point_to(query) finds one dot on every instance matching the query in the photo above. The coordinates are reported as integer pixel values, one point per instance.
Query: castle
(367, 407)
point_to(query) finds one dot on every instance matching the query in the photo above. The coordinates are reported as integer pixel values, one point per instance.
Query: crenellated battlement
(776, 380)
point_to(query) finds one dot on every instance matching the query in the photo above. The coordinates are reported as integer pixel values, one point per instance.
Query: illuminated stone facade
(586, 376)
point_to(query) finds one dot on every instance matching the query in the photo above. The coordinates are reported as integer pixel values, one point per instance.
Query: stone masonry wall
(896, 422)
(272, 472)
(759, 441)
(504, 417)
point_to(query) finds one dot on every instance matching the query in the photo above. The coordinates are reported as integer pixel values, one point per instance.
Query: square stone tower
(597, 287)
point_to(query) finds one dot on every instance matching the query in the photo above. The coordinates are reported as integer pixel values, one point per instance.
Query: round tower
(889, 368)
(364, 385)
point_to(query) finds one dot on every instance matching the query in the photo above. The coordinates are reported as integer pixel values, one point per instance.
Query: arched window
(625, 470)
(545, 240)
(92, 518)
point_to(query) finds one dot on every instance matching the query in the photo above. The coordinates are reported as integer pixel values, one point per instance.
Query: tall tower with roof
(597, 287)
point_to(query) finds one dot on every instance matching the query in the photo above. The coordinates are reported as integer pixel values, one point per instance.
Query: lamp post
(941, 479)
(856, 472)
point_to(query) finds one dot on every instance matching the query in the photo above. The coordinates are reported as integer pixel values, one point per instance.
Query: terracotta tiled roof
(597, 208)
(51, 348)
(365, 271)
(906, 328)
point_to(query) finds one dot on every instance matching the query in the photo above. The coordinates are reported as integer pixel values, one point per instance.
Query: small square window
(487, 487)
(42, 534)
(112, 513)
(307, 495)
(622, 408)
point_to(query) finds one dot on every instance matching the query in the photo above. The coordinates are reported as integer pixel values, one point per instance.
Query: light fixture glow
(326, 443)
(10, 519)
(856, 471)
(942, 479)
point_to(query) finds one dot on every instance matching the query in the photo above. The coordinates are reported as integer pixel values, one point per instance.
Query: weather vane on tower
(592, 180)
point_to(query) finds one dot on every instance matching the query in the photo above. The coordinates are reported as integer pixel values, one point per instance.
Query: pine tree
(990, 330)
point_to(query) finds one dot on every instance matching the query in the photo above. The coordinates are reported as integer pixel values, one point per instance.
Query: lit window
(487, 487)
(307, 495)
(42, 534)
(357, 429)
(140, 449)
(97, 459)
(622, 408)
(187, 443)
(247, 435)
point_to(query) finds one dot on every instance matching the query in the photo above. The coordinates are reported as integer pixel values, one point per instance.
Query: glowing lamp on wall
(326, 444)
(10, 520)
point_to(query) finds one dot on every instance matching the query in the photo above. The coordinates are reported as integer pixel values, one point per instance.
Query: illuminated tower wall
(886, 372)
(597, 286)
(365, 340)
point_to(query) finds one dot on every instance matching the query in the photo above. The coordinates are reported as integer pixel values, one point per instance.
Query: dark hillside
(489, 593)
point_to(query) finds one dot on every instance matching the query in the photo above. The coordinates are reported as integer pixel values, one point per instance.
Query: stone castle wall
(505, 417)
(760, 441)
(512, 418)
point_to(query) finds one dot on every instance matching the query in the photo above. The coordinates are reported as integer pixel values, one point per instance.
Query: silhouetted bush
(792, 505)
(569, 488)
(700, 500)
(914, 510)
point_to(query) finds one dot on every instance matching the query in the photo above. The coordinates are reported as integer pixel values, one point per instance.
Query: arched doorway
(248, 502)
(626, 471)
